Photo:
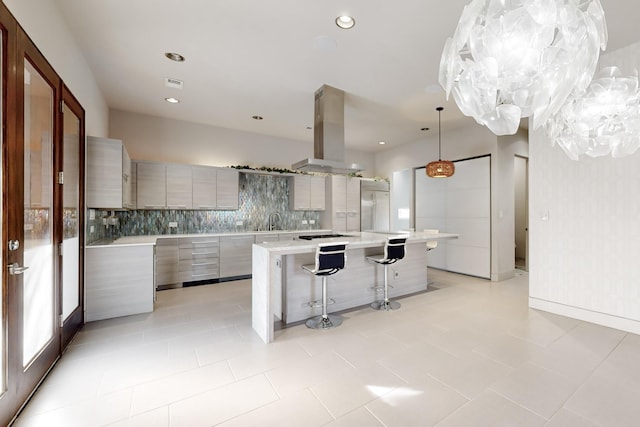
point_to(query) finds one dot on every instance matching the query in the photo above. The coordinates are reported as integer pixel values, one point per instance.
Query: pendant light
(441, 168)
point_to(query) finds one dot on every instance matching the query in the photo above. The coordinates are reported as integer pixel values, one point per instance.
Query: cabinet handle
(203, 263)
(206, 207)
(153, 206)
(204, 253)
(200, 275)
(177, 206)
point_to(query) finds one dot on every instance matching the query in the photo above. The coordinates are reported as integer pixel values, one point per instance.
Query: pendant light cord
(439, 134)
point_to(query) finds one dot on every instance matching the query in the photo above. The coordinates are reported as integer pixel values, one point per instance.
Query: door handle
(15, 269)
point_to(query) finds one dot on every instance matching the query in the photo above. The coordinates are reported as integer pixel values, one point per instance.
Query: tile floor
(468, 354)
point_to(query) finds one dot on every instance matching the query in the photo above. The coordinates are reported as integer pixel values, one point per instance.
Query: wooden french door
(41, 217)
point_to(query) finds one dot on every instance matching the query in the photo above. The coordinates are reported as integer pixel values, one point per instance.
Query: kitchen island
(282, 291)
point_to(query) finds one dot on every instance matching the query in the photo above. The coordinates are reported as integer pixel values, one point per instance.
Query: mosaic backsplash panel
(260, 196)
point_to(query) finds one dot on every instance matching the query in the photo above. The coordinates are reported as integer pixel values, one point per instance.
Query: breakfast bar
(282, 291)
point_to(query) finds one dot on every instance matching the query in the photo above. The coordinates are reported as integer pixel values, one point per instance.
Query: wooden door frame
(37, 369)
(9, 112)
(74, 322)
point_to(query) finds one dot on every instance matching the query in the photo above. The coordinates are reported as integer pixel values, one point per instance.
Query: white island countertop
(356, 240)
(267, 277)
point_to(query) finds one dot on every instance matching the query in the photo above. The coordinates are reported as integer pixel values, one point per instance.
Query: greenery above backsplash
(282, 170)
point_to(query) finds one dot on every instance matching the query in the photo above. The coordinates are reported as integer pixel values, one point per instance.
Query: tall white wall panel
(460, 204)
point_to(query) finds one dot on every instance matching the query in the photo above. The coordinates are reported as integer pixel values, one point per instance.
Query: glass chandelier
(510, 59)
(441, 168)
(603, 120)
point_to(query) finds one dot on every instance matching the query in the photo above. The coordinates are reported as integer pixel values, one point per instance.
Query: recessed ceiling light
(424, 129)
(382, 143)
(257, 117)
(345, 22)
(172, 100)
(174, 56)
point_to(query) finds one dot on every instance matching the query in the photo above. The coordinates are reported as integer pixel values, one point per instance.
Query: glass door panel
(70, 213)
(38, 303)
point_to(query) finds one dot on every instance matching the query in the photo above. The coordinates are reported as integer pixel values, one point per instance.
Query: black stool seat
(330, 258)
(394, 250)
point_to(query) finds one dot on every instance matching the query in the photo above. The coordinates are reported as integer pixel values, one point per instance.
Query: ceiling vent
(173, 83)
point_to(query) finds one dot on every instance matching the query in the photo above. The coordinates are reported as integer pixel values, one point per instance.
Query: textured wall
(584, 234)
(260, 195)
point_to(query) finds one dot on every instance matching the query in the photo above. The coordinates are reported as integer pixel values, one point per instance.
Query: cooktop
(319, 236)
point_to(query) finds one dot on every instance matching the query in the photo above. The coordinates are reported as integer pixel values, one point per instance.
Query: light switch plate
(312, 221)
(173, 224)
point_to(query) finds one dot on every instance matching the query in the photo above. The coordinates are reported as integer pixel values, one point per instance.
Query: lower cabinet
(166, 261)
(198, 258)
(119, 281)
(235, 255)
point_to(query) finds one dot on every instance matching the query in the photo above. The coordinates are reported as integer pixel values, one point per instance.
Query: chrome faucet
(272, 224)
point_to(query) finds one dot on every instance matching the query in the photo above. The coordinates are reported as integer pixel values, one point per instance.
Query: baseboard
(611, 321)
(505, 275)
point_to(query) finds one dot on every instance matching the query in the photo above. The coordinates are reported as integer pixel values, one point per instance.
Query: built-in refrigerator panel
(374, 206)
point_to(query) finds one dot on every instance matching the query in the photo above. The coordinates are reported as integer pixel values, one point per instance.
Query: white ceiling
(258, 57)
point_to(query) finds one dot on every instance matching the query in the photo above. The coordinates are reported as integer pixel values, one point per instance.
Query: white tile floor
(468, 354)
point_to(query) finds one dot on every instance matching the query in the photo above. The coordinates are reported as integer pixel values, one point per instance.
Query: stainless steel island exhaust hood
(328, 135)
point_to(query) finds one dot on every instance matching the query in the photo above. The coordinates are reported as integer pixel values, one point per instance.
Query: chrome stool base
(385, 305)
(324, 322)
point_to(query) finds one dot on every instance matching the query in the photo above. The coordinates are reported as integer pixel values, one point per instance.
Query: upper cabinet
(151, 188)
(307, 193)
(227, 189)
(175, 186)
(109, 182)
(179, 187)
(343, 204)
(204, 187)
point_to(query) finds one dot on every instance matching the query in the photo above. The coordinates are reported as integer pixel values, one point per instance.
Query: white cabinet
(227, 189)
(179, 187)
(119, 281)
(151, 189)
(204, 187)
(166, 261)
(317, 200)
(353, 204)
(215, 188)
(109, 183)
(307, 193)
(343, 204)
(235, 255)
(198, 258)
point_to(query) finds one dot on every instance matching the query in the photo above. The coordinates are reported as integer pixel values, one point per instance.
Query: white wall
(584, 229)
(166, 140)
(470, 141)
(584, 233)
(44, 24)
(473, 140)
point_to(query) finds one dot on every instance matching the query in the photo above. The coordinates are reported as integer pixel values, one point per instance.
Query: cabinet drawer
(198, 274)
(199, 242)
(199, 253)
(198, 265)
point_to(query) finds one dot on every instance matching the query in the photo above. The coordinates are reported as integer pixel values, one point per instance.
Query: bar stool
(393, 251)
(330, 258)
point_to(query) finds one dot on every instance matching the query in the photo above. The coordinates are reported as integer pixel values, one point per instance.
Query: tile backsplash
(260, 196)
